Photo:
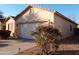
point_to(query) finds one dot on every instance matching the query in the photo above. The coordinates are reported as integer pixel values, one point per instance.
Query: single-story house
(10, 25)
(2, 25)
(33, 16)
(78, 26)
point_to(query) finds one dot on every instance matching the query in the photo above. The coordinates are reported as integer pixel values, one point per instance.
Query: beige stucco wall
(36, 14)
(11, 21)
(78, 26)
(64, 26)
(0, 25)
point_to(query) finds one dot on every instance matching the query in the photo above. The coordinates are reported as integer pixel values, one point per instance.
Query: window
(71, 28)
(10, 26)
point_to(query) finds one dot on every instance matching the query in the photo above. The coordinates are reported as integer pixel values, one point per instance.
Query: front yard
(68, 46)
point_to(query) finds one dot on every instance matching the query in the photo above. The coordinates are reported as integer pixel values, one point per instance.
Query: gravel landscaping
(68, 46)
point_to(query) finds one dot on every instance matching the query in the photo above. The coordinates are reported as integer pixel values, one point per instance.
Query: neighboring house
(2, 25)
(32, 17)
(10, 25)
(78, 26)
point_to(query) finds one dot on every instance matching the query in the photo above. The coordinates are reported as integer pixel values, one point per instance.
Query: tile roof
(56, 12)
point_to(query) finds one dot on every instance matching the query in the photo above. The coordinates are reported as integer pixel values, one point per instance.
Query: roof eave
(23, 11)
(65, 17)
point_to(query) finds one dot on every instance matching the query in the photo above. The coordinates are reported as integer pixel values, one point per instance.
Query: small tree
(46, 38)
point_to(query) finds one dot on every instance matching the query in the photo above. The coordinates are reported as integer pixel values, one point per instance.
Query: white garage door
(26, 30)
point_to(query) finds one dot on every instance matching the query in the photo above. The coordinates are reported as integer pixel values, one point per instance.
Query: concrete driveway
(10, 47)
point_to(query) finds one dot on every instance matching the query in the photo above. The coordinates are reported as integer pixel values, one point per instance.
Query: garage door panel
(26, 30)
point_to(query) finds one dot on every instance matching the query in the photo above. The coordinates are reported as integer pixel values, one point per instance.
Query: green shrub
(46, 38)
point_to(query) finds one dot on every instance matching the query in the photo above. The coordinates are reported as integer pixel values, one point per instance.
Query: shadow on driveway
(26, 40)
(3, 45)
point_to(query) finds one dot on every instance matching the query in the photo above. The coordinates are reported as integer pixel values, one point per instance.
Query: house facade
(64, 24)
(32, 17)
(0, 25)
(10, 25)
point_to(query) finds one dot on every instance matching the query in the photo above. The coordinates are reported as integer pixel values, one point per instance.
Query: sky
(69, 10)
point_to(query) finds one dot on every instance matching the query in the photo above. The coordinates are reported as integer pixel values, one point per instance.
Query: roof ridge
(30, 5)
(43, 8)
